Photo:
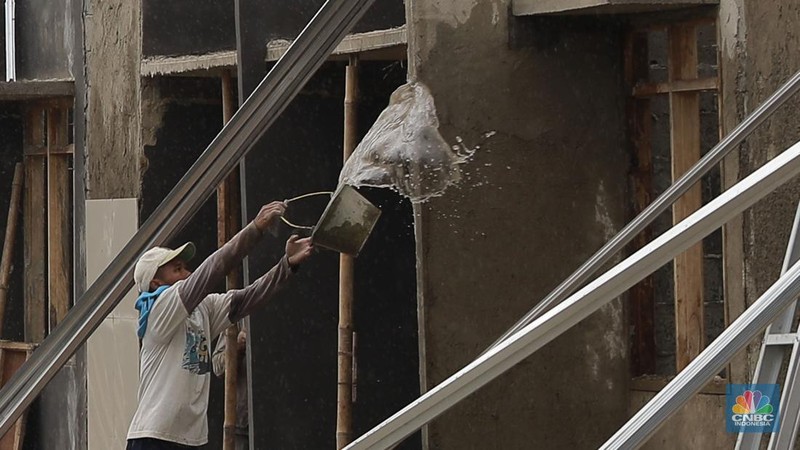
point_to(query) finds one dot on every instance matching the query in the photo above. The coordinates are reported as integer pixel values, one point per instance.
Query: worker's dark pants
(154, 444)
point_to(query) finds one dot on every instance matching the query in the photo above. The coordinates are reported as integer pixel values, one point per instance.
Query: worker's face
(170, 273)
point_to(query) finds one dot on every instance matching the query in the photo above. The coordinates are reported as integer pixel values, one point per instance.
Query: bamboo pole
(344, 405)
(227, 214)
(8, 246)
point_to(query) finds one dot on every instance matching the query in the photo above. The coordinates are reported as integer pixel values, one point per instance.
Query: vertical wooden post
(344, 410)
(227, 225)
(34, 215)
(685, 138)
(8, 245)
(58, 197)
(642, 295)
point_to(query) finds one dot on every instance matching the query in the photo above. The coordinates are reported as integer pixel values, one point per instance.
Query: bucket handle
(300, 197)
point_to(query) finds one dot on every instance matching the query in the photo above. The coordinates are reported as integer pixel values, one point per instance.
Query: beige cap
(151, 260)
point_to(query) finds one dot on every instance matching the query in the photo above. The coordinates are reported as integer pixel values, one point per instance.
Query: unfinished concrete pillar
(538, 198)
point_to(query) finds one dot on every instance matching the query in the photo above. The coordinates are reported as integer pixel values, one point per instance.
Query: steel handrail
(658, 206)
(708, 363)
(583, 303)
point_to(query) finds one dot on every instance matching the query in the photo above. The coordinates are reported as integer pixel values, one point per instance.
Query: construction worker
(242, 412)
(178, 314)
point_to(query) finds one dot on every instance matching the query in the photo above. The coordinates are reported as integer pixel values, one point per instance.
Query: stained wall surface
(187, 27)
(113, 116)
(538, 198)
(45, 39)
(757, 48)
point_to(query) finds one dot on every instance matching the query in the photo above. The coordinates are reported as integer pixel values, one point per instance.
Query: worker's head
(162, 266)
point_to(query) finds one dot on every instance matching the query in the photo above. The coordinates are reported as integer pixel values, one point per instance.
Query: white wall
(112, 351)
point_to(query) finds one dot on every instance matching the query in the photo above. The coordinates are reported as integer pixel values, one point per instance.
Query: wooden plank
(43, 150)
(34, 214)
(642, 295)
(685, 140)
(35, 253)
(59, 235)
(24, 347)
(696, 85)
(661, 22)
(537, 7)
(10, 240)
(388, 44)
(36, 89)
(33, 134)
(12, 356)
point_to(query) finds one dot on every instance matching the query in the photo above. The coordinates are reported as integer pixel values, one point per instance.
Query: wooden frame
(642, 295)
(685, 144)
(58, 207)
(35, 220)
(683, 88)
(47, 205)
(12, 356)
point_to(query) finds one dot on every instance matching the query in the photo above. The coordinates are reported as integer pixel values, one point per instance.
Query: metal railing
(586, 301)
(306, 54)
(658, 206)
(711, 360)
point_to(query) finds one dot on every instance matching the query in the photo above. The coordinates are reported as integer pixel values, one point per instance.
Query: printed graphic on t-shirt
(195, 356)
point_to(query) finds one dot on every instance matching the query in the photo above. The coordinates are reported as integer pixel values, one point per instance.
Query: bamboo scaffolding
(344, 401)
(8, 246)
(227, 213)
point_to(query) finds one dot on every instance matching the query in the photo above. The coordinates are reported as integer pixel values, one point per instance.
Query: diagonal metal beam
(583, 303)
(658, 206)
(691, 379)
(312, 47)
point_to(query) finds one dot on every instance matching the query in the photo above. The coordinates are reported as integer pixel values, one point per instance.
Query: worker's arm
(244, 301)
(218, 358)
(213, 270)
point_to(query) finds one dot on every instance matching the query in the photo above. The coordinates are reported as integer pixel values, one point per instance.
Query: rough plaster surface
(113, 56)
(539, 198)
(758, 55)
(153, 109)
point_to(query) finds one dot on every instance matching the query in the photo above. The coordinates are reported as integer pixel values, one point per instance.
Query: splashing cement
(404, 150)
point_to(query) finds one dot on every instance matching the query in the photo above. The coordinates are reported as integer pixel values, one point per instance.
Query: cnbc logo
(752, 408)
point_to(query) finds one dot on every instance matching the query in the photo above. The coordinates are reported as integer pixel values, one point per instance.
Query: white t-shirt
(175, 368)
(176, 358)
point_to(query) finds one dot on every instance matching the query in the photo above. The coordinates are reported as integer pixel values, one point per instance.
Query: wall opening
(673, 115)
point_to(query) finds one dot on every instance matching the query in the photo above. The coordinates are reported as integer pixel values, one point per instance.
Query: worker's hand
(298, 250)
(268, 215)
(241, 341)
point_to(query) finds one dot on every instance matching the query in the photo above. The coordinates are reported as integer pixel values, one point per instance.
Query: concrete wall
(537, 200)
(758, 43)
(283, 20)
(187, 27)
(113, 123)
(45, 39)
(263, 21)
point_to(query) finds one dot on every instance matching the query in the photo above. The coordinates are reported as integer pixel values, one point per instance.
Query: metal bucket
(346, 222)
